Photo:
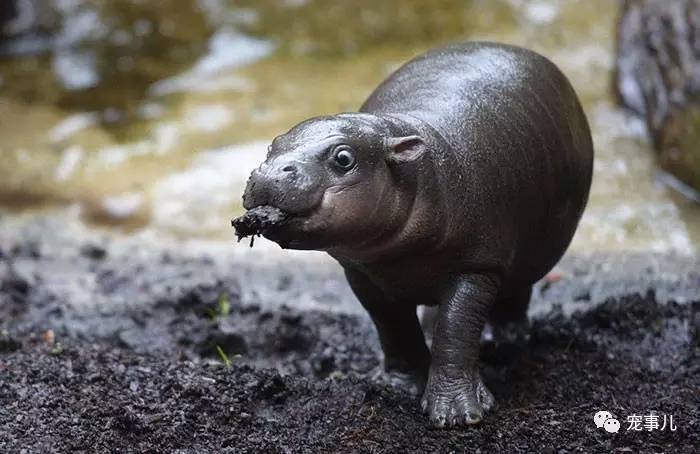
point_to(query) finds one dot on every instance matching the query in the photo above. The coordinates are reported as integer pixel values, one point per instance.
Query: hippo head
(335, 179)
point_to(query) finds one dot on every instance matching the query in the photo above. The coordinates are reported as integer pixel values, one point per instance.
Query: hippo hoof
(456, 399)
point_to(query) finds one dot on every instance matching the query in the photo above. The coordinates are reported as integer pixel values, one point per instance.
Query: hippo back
(519, 163)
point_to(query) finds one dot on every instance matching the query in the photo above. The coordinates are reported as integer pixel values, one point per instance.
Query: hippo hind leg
(406, 356)
(508, 316)
(512, 308)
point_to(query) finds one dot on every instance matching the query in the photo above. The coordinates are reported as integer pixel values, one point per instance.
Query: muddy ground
(131, 363)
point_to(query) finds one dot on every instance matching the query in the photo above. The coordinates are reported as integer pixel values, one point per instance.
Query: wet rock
(93, 251)
(14, 294)
(658, 78)
(8, 344)
(29, 249)
(15, 285)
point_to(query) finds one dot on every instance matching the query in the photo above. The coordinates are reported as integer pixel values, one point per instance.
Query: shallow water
(150, 115)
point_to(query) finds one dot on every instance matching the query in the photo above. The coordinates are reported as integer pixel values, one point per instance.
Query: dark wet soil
(139, 367)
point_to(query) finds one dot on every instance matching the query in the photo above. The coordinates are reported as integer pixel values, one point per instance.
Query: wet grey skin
(458, 184)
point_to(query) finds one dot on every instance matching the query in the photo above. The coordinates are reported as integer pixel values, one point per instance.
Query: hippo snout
(284, 184)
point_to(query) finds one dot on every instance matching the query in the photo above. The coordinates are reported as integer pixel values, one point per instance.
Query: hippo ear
(405, 149)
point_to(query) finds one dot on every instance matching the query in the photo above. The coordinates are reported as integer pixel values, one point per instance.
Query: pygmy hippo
(458, 184)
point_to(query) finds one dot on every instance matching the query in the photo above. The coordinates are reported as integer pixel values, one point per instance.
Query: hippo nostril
(289, 169)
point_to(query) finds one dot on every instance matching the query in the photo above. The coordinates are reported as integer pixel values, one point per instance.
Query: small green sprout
(224, 305)
(57, 349)
(223, 308)
(224, 356)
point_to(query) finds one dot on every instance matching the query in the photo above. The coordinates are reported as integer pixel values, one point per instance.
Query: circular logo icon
(600, 417)
(611, 425)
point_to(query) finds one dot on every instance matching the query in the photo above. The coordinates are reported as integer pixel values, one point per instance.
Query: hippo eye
(343, 157)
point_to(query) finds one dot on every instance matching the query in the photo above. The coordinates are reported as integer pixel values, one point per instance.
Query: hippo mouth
(263, 220)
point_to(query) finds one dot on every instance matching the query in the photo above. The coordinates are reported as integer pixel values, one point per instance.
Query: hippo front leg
(455, 393)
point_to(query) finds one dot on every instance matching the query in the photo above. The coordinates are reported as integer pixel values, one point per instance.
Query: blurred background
(147, 115)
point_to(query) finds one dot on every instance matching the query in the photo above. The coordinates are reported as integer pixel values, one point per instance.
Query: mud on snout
(258, 221)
